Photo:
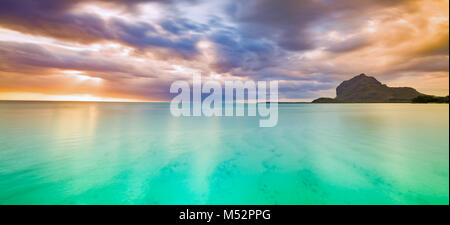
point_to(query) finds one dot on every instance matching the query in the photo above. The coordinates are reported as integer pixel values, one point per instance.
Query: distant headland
(367, 89)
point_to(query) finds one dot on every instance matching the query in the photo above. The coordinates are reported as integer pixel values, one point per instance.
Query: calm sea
(137, 153)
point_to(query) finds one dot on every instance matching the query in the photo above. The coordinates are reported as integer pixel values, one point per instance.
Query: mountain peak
(363, 88)
(364, 78)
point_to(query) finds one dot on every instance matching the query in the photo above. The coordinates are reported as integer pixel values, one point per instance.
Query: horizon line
(99, 101)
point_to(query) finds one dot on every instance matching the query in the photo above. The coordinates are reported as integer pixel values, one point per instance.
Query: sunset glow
(132, 51)
(44, 97)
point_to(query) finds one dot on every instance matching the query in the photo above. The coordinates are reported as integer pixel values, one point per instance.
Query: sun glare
(25, 96)
(78, 75)
(203, 44)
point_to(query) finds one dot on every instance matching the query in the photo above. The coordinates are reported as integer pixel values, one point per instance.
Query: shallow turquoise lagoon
(137, 153)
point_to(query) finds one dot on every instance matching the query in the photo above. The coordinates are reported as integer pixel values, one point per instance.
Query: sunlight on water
(137, 153)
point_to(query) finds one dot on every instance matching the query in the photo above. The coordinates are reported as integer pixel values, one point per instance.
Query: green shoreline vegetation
(430, 99)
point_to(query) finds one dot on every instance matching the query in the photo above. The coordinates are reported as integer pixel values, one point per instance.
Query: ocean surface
(138, 153)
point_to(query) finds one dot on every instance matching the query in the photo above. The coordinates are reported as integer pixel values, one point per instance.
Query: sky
(132, 50)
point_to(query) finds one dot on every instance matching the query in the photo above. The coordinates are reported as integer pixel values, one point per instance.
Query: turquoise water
(137, 153)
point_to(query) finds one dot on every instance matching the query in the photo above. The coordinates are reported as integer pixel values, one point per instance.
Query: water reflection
(137, 153)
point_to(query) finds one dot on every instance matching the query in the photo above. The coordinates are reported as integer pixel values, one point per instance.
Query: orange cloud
(133, 51)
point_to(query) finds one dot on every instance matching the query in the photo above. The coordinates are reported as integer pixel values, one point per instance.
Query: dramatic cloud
(126, 49)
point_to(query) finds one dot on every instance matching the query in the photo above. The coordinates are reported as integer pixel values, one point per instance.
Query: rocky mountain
(366, 89)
